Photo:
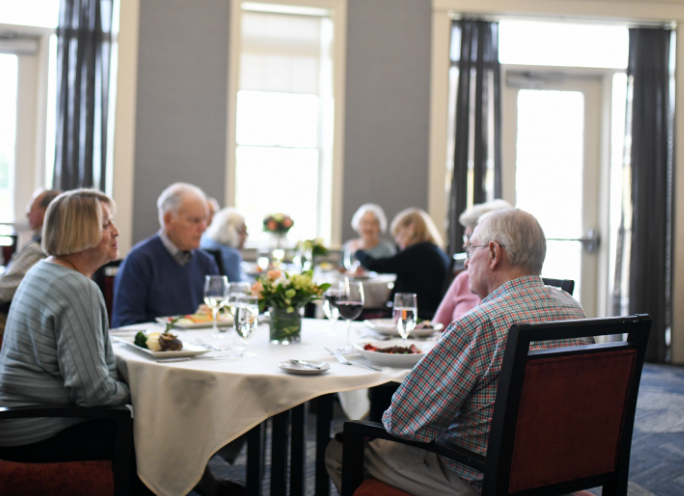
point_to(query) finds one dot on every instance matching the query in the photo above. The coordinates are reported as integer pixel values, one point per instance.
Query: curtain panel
(644, 249)
(83, 58)
(476, 175)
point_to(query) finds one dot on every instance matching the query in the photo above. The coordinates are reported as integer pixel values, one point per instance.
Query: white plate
(189, 349)
(389, 360)
(389, 328)
(295, 368)
(223, 320)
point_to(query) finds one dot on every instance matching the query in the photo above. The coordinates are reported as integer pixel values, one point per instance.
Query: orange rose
(271, 225)
(274, 274)
(257, 288)
(287, 222)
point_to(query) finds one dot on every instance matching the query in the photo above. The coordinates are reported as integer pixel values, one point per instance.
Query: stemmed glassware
(350, 304)
(215, 288)
(405, 313)
(246, 320)
(235, 291)
(331, 311)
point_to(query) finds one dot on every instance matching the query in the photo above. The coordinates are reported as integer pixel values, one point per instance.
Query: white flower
(283, 281)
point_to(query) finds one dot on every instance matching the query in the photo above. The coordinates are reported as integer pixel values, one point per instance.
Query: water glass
(246, 320)
(405, 313)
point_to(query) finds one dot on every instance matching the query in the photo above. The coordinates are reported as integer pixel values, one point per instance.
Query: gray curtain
(83, 57)
(644, 250)
(477, 143)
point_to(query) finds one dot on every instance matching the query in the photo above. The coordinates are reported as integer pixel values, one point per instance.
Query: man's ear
(167, 218)
(494, 254)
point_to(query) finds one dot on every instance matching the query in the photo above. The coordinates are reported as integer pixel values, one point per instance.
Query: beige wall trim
(124, 133)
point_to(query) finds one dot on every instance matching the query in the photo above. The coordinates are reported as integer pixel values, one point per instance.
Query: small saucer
(294, 368)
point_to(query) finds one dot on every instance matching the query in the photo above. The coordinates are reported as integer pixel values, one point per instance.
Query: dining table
(185, 411)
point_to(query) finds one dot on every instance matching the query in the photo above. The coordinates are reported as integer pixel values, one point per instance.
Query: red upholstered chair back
(86, 478)
(570, 418)
(563, 417)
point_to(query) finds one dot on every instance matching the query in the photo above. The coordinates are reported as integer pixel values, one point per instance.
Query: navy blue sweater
(150, 283)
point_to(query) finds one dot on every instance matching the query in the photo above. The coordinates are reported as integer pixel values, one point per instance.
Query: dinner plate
(189, 349)
(389, 328)
(391, 360)
(222, 320)
(295, 368)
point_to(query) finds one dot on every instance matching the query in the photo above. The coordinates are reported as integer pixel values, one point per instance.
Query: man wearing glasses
(451, 391)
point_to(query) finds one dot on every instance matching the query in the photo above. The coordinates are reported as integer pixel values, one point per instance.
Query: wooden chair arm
(355, 433)
(67, 411)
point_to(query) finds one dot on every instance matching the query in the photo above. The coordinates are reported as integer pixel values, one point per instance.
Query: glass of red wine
(331, 312)
(349, 302)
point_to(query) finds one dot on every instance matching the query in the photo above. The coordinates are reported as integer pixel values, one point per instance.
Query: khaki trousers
(410, 469)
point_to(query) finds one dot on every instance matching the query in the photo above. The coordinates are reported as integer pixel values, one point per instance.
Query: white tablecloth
(186, 411)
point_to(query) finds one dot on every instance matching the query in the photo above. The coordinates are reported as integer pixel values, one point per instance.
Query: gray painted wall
(182, 89)
(181, 110)
(387, 115)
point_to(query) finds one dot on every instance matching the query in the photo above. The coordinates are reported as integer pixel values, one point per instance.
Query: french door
(551, 168)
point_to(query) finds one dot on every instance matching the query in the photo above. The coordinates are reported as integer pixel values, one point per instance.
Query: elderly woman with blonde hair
(57, 349)
(369, 222)
(227, 234)
(458, 299)
(420, 266)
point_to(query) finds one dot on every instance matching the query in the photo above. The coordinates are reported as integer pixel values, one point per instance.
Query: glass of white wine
(215, 288)
(246, 320)
(405, 313)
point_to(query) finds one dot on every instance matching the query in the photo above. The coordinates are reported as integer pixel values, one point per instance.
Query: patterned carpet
(657, 463)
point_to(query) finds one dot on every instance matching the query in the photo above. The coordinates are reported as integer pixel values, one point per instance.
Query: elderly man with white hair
(451, 391)
(164, 274)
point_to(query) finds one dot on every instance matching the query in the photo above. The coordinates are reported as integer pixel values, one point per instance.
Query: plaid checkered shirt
(451, 391)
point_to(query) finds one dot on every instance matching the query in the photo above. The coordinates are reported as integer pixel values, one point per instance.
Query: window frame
(330, 214)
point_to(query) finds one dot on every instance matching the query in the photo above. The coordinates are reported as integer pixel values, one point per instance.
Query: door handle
(590, 242)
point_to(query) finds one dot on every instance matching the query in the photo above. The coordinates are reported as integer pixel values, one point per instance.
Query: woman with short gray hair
(227, 234)
(56, 349)
(369, 222)
(458, 299)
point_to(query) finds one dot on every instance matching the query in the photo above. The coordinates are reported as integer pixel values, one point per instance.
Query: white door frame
(635, 12)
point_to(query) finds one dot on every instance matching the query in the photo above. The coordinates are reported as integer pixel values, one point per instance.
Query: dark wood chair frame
(497, 464)
(122, 465)
(567, 285)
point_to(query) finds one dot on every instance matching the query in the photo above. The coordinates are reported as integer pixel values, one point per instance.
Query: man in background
(164, 274)
(28, 255)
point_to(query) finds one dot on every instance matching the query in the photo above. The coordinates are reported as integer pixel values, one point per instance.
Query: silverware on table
(188, 359)
(342, 360)
(306, 364)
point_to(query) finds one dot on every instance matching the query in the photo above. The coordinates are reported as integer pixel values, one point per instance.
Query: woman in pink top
(458, 299)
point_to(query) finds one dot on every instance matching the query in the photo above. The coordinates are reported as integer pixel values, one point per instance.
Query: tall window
(284, 120)
(8, 131)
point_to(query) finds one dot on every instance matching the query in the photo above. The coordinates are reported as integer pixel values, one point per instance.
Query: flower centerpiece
(284, 294)
(307, 251)
(278, 225)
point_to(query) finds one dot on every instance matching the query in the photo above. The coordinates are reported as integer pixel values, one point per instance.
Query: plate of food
(394, 353)
(198, 319)
(162, 345)
(388, 327)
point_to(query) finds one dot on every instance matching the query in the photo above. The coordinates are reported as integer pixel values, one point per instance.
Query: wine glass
(350, 304)
(405, 313)
(330, 297)
(214, 295)
(233, 293)
(246, 320)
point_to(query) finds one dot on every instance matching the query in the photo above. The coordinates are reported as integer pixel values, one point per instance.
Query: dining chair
(563, 417)
(567, 285)
(104, 278)
(218, 258)
(79, 478)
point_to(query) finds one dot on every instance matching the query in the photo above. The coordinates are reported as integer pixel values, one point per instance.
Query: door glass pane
(8, 124)
(549, 162)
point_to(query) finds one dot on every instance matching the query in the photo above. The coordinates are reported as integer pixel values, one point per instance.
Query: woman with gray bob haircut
(369, 222)
(459, 300)
(57, 349)
(227, 234)
(519, 233)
